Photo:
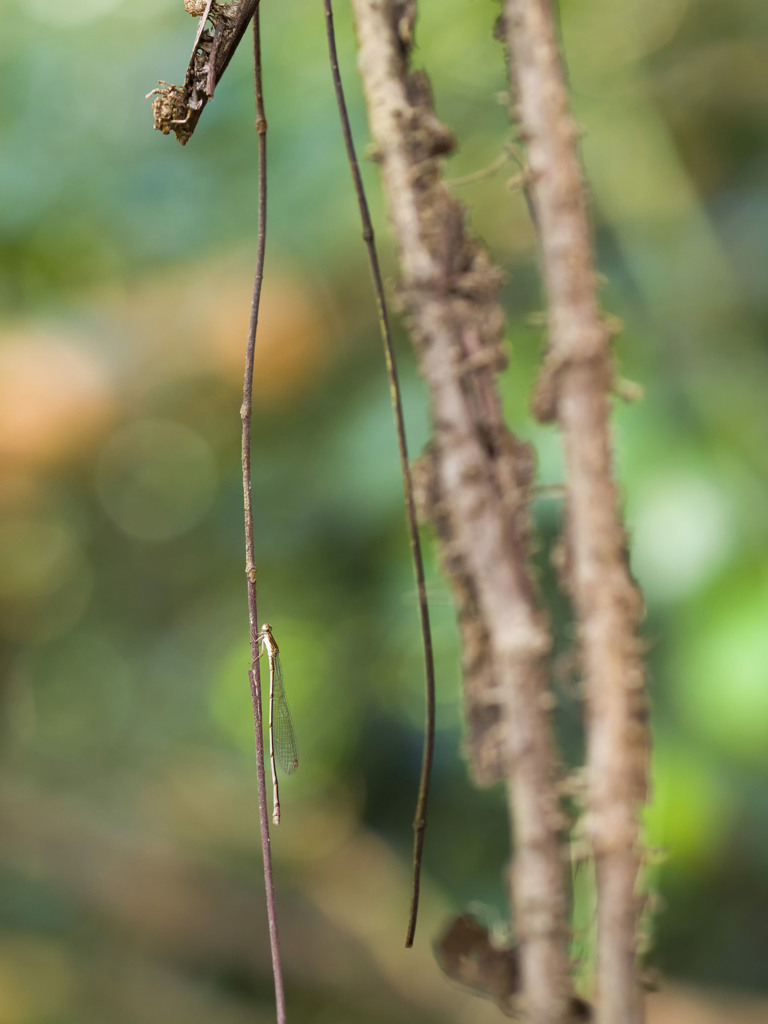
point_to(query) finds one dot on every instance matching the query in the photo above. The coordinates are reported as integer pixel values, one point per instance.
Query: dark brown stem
(420, 817)
(250, 559)
(574, 390)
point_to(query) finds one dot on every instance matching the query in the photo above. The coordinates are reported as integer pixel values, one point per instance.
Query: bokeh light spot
(45, 580)
(722, 672)
(156, 479)
(680, 534)
(54, 397)
(688, 812)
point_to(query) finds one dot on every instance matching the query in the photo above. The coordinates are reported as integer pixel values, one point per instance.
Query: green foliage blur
(130, 885)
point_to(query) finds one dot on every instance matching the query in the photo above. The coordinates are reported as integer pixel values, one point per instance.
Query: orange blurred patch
(196, 320)
(54, 398)
(293, 341)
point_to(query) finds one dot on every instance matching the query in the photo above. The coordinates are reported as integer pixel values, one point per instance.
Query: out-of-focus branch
(574, 390)
(467, 952)
(177, 108)
(475, 486)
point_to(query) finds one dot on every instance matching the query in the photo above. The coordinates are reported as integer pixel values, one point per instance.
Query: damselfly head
(266, 628)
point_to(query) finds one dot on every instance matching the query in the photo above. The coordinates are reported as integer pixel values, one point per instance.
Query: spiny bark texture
(574, 390)
(475, 487)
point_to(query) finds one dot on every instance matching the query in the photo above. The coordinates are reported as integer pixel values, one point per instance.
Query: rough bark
(574, 390)
(475, 487)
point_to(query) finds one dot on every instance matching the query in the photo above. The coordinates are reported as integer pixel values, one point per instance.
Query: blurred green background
(130, 886)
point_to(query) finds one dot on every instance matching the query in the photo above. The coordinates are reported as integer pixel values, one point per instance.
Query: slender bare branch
(475, 485)
(574, 390)
(250, 557)
(422, 800)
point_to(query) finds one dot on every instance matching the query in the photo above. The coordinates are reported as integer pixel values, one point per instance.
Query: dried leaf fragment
(177, 108)
(170, 107)
(467, 952)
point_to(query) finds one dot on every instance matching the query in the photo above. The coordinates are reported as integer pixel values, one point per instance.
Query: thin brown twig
(420, 817)
(476, 484)
(246, 412)
(574, 390)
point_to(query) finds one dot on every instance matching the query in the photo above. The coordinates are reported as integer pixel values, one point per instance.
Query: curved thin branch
(574, 390)
(420, 817)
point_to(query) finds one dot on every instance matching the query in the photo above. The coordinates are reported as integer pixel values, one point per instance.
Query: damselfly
(282, 739)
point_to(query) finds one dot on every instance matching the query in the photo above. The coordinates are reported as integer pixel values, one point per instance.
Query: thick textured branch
(177, 108)
(475, 486)
(574, 389)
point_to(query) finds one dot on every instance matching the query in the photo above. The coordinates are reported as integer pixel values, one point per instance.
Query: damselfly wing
(284, 738)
